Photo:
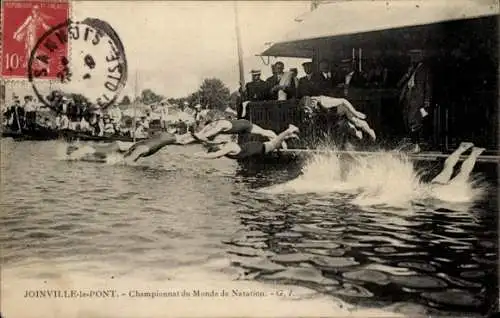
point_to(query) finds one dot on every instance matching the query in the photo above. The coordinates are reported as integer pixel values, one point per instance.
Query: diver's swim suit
(249, 149)
(239, 126)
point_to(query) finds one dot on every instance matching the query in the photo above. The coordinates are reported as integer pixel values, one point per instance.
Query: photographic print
(249, 158)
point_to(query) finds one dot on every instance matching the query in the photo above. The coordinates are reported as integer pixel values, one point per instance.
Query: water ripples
(170, 211)
(357, 253)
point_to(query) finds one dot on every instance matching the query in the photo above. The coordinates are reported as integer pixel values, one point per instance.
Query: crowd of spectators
(76, 114)
(327, 79)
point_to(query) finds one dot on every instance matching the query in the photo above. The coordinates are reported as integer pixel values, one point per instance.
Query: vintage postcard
(249, 158)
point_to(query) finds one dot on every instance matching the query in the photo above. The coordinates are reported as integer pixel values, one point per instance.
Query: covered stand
(459, 38)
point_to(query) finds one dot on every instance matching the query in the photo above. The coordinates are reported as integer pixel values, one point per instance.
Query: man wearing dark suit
(307, 87)
(257, 89)
(293, 90)
(326, 79)
(16, 113)
(273, 82)
(416, 94)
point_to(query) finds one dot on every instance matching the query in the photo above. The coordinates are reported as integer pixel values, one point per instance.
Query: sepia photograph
(308, 158)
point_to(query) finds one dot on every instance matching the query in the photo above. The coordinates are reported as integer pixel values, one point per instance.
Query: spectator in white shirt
(163, 116)
(116, 115)
(108, 126)
(64, 122)
(145, 122)
(57, 121)
(140, 131)
(84, 125)
(30, 112)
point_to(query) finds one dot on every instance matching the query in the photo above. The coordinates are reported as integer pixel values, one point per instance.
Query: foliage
(149, 97)
(125, 100)
(213, 94)
(79, 99)
(194, 98)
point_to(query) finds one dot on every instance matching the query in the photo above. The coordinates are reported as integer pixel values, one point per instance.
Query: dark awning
(346, 19)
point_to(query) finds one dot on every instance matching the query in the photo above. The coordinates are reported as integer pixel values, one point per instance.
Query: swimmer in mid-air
(355, 118)
(129, 152)
(237, 126)
(235, 151)
(444, 177)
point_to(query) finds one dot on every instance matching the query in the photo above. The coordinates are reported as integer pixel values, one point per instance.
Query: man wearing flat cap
(307, 86)
(257, 89)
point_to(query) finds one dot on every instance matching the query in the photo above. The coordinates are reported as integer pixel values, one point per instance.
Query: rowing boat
(49, 134)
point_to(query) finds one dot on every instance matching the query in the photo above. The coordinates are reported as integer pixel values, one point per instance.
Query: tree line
(212, 94)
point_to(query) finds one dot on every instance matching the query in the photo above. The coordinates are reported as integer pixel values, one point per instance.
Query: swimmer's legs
(267, 133)
(363, 125)
(467, 166)
(350, 108)
(276, 142)
(213, 129)
(450, 162)
(257, 130)
(358, 133)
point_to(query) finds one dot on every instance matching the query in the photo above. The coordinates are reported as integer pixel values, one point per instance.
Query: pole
(17, 120)
(240, 50)
(360, 51)
(135, 108)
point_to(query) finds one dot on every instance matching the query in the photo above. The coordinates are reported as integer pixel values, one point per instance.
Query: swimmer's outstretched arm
(226, 149)
(148, 147)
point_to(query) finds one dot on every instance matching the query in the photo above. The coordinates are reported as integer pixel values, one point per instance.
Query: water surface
(372, 236)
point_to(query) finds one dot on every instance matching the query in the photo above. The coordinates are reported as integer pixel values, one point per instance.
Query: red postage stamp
(24, 23)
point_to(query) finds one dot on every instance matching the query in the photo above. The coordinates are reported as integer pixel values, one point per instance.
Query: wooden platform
(421, 156)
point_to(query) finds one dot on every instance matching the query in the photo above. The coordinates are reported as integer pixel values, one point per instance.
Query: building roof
(340, 18)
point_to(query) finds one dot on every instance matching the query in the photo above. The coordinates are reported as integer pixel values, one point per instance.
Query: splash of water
(383, 178)
(321, 174)
(459, 192)
(60, 153)
(83, 152)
